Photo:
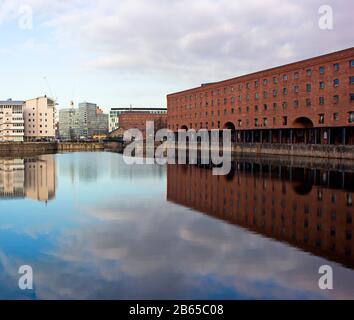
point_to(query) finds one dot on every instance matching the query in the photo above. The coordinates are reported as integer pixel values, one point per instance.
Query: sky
(118, 53)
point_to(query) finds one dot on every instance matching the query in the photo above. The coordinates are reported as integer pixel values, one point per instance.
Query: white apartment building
(39, 117)
(11, 121)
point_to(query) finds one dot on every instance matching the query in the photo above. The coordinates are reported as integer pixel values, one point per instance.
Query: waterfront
(93, 227)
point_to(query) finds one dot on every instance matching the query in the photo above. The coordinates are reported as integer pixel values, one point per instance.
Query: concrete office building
(39, 116)
(11, 121)
(85, 122)
(115, 114)
(68, 125)
(311, 101)
(92, 122)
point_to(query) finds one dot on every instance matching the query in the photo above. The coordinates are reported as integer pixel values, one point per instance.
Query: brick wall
(242, 100)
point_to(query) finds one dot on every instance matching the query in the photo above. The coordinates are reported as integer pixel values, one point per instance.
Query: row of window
(296, 104)
(264, 122)
(41, 120)
(265, 95)
(296, 75)
(41, 126)
(34, 132)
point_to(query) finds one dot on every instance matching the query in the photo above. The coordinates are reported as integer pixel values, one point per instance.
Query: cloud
(168, 251)
(200, 39)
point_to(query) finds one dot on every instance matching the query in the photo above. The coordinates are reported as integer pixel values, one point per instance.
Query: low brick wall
(80, 146)
(27, 148)
(290, 150)
(36, 148)
(303, 150)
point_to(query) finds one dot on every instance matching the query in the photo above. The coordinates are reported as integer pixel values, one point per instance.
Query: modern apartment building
(39, 116)
(311, 101)
(68, 123)
(11, 121)
(92, 121)
(115, 113)
(86, 122)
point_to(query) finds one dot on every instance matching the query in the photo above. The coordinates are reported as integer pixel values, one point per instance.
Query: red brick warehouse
(137, 120)
(310, 101)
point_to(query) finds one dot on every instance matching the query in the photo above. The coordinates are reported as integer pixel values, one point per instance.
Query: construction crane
(49, 88)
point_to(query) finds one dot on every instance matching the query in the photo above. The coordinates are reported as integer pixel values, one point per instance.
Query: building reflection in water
(34, 178)
(311, 209)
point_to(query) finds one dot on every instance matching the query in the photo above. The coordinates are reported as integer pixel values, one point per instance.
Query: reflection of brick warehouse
(310, 101)
(313, 217)
(137, 120)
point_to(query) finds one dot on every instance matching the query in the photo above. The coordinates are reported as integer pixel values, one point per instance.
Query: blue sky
(121, 53)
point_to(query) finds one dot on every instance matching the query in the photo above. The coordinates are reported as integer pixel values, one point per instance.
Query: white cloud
(181, 43)
(198, 39)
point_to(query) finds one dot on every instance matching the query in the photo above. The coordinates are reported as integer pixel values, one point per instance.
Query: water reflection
(135, 232)
(34, 178)
(309, 208)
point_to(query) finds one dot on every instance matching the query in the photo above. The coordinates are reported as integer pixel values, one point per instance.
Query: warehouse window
(322, 70)
(351, 117)
(336, 67)
(321, 118)
(336, 82)
(351, 80)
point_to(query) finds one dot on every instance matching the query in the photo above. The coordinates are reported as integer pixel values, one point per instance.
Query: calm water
(93, 227)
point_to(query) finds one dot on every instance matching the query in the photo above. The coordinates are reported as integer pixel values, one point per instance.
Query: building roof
(11, 102)
(138, 109)
(277, 69)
